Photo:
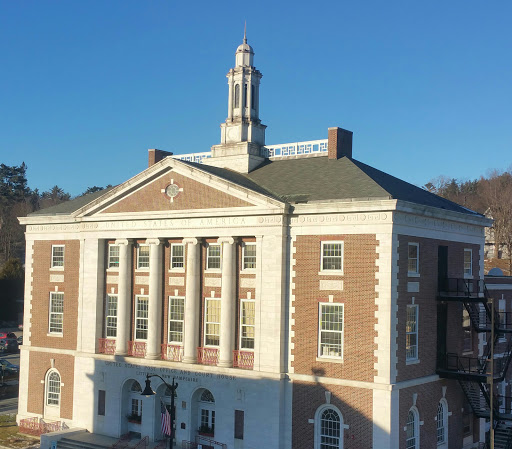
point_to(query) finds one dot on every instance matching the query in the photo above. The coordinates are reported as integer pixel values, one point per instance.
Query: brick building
(299, 297)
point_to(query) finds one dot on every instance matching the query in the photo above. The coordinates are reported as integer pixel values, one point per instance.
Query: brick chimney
(156, 156)
(339, 143)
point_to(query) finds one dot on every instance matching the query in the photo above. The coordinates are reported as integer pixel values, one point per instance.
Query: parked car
(9, 369)
(8, 342)
(20, 340)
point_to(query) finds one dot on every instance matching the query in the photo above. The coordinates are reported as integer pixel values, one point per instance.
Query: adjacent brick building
(291, 290)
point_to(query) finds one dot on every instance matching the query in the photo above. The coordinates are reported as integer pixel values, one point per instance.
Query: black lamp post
(148, 391)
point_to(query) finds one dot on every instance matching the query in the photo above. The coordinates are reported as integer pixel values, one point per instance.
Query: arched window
(136, 387)
(237, 95)
(253, 97)
(53, 388)
(412, 430)
(330, 429)
(442, 423)
(207, 396)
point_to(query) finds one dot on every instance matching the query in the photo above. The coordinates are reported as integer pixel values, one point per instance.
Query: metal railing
(173, 353)
(107, 346)
(123, 442)
(207, 356)
(243, 359)
(142, 443)
(137, 348)
(459, 287)
(37, 426)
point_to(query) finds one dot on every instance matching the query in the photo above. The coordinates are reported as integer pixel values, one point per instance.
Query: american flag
(166, 420)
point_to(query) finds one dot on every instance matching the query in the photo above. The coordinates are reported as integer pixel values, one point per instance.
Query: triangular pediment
(174, 186)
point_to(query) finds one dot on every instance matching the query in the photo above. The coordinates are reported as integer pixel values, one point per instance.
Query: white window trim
(58, 267)
(173, 342)
(412, 361)
(137, 298)
(417, 272)
(328, 357)
(107, 315)
(213, 270)
(444, 404)
(249, 270)
(204, 325)
(139, 268)
(317, 421)
(327, 271)
(109, 268)
(177, 269)
(47, 385)
(417, 424)
(50, 313)
(470, 274)
(241, 325)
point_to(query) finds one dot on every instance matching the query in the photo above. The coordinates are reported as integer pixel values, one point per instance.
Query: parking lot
(8, 391)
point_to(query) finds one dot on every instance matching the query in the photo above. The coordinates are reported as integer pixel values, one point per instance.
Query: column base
(122, 353)
(225, 363)
(189, 359)
(153, 356)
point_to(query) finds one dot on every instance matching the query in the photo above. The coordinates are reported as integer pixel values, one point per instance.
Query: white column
(227, 302)
(155, 299)
(192, 300)
(230, 97)
(124, 296)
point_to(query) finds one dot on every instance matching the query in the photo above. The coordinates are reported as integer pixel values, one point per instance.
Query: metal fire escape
(477, 375)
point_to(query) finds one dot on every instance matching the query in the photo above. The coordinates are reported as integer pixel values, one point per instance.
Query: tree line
(490, 195)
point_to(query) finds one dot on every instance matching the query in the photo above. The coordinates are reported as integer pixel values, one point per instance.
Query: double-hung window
(330, 341)
(413, 259)
(249, 256)
(113, 256)
(177, 256)
(111, 316)
(57, 256)
(332, 257)
(247, 315)
(213, 257)
(468, 263)
(411, 333)
(143, 257)
(56, 312)
(212, 322)
(176, 317)
(141, 317)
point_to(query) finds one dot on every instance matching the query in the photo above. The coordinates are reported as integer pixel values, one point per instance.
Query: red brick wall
(358, 296)
(355, 405)
(39, 364)
(427, 302)
(41, 288)
(427, 401)
(194, 196)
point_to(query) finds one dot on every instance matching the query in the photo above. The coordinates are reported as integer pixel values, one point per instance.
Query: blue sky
(86, 87)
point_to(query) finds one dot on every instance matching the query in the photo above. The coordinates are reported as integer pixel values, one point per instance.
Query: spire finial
(245, 32)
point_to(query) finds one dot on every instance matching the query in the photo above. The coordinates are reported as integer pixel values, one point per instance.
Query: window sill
(467, 352)
(330, 273)
(213, 271)
(141, 270)
(113, 270)
(177, 270)
(54, 334)
(56, 268)
(468, 276)
(329, 359)
(413, 275)
(248, 271)
(412, 362)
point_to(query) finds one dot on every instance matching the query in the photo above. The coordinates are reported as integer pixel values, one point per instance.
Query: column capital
(156, 241)
(192, 240)
(124, 241)
(229, 240)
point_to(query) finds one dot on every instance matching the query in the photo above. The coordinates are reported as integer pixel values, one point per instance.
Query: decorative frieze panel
(413, 287)
(142, 280)
(56, 278)
(179, 281)
(112, 279)
(212, 282)
(333, 285)
(247, 282)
